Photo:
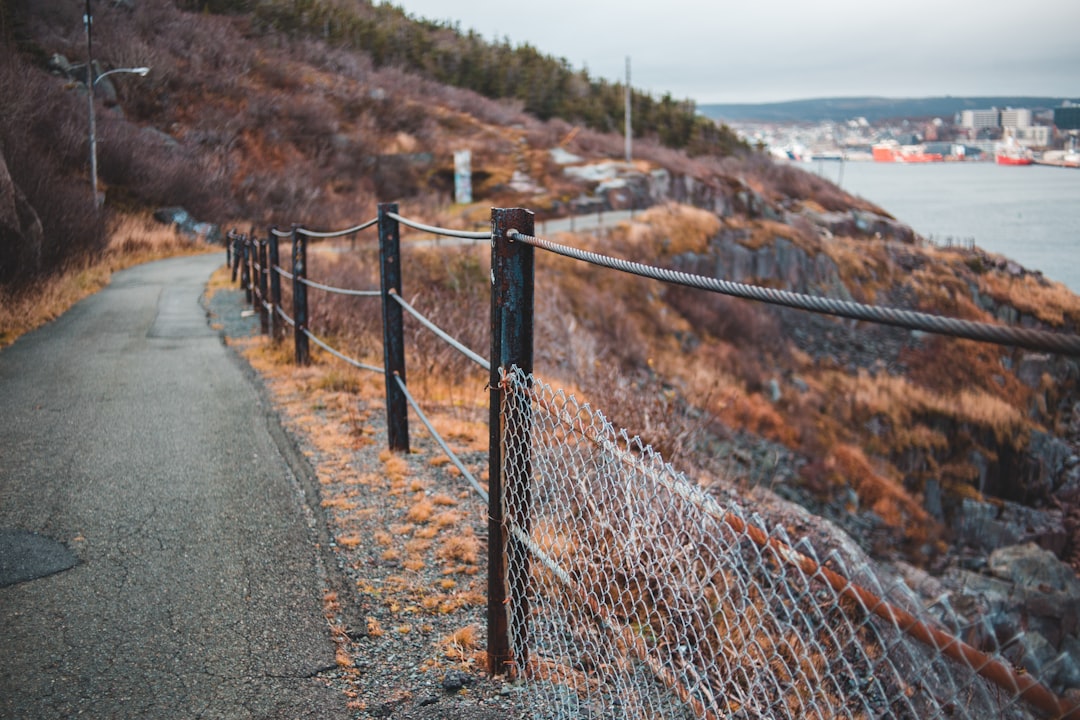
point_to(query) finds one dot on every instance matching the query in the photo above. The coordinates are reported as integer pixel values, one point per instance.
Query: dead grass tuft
(463, 547)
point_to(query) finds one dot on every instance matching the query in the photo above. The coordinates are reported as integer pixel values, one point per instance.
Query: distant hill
(872, 108)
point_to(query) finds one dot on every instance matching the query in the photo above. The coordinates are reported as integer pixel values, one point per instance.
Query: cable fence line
(986, 332)
(618, 588)
(442, 334)
(341, 291)
(342, 356)
(338, 233)
(445, 232)
(438, 438)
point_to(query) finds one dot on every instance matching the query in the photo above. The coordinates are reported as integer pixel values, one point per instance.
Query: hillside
(872, 108)
(930, 453)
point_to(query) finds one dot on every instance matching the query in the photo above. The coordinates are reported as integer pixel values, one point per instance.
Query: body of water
(1029, 214)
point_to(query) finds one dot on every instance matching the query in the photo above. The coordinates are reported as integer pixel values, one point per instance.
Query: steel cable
(448, 339)
(283, 273)
(909, 319)
(440, 231)
(346, 358)
(438, 439)
(281, 233)
(337, 233)
(340, 291)
(286, 318)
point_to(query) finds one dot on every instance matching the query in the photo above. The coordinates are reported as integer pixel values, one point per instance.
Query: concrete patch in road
(29, 556)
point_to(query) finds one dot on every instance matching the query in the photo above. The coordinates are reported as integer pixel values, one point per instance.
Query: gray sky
(771, 50)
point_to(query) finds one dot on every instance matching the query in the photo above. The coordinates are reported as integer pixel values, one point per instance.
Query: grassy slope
(295, 131)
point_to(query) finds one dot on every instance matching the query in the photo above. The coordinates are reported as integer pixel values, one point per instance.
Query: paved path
(133, 437)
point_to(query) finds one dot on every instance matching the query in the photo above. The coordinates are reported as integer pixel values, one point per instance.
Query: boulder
(1030, 566)
(989, 526)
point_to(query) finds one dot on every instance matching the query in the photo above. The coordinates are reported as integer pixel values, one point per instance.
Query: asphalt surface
(160, 556)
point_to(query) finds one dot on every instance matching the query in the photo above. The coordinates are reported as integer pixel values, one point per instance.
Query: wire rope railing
(446, 232)
(340, 291)
(340, 355)
(442, 334)
(521, 463)
(284, 316)
(337, 233)
(438, 438)
(908, 319)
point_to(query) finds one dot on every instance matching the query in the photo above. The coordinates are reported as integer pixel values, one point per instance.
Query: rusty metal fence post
(511, 345)
(236, 252)
(245, 266)
(397, 407)
(264, 277)
(277, 327)
(300, 308)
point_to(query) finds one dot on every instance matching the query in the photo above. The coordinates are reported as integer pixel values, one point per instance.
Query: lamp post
(91, 82)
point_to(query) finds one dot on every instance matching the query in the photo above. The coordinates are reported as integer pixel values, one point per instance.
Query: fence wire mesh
(649, 598)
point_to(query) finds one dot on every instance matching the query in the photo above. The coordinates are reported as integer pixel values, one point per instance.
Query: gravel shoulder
(403, 535)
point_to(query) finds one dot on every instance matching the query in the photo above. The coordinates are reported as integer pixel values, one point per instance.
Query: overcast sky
(772, 50)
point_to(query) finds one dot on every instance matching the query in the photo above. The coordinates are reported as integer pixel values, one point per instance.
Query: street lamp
(90, 84)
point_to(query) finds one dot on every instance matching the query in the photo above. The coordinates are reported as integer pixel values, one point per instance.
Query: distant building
(1033, 136)
(979, 119)
(1015, 118)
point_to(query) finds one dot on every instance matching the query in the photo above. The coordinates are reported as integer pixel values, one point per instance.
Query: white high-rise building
(1015, 118)
(979, 119)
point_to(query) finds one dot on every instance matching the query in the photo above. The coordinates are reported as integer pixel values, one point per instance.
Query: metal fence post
(245, 268)
(264, 278)
(511, 345)
(228, 250)
(397, 407)
(274, 260)
(300, 309)
(235, 255)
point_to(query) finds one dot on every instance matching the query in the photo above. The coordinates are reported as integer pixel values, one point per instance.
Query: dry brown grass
(1051, 302)
(671, 229)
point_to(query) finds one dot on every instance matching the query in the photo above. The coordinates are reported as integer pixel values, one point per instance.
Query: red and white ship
(1012, 154)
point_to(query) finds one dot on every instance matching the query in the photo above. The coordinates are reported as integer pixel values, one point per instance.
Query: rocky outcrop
(1028, 604)
(21, 234)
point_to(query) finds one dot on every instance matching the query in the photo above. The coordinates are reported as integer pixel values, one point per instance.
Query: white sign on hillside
(463, 177)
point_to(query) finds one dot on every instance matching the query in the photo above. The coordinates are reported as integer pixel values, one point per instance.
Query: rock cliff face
(21, 234)
(1008, 502)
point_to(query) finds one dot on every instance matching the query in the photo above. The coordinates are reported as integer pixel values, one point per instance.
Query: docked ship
(893, 151)
(1012, 154)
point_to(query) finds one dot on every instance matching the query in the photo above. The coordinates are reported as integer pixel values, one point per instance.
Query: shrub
(44, 141)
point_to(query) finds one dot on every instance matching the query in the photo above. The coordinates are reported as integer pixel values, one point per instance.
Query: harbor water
(1028, 214)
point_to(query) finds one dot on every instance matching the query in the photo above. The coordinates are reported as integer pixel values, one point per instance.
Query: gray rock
(1029, 565)
(455, 680)
(1031, 368)
(989, 526)
(1045, 470)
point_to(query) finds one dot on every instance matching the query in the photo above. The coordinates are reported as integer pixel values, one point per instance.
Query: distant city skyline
(780, 50)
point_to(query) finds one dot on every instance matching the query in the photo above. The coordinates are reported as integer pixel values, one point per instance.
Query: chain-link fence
(635, 594)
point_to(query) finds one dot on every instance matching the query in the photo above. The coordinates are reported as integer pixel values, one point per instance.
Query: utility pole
(88, 21)
(629, 128)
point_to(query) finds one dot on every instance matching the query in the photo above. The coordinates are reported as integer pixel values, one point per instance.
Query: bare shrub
(45, 147)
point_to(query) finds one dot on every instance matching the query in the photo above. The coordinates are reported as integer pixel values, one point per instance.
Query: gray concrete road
(131, 436)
